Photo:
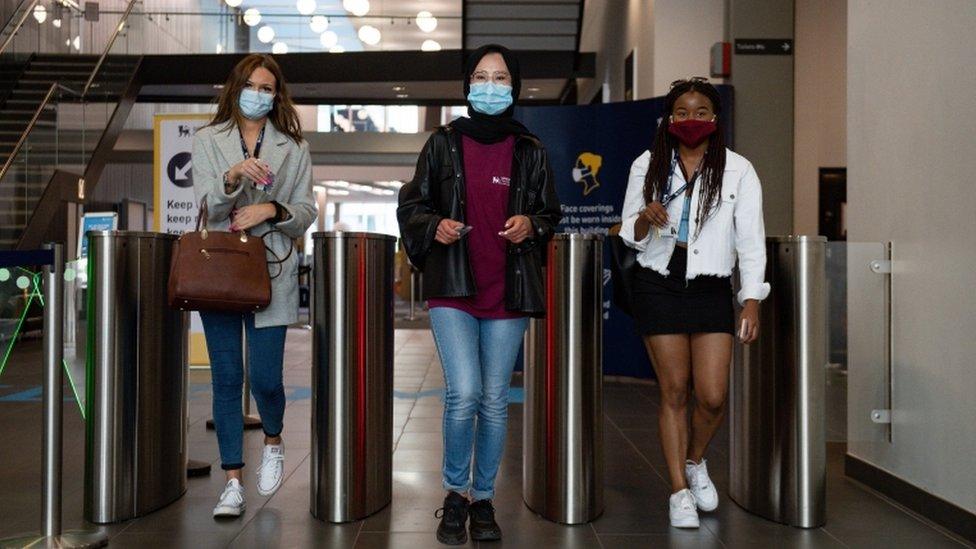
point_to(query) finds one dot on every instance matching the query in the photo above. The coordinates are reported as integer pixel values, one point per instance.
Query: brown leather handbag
(218, 271)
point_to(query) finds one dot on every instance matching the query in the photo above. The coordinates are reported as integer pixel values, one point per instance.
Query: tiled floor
(636, 490)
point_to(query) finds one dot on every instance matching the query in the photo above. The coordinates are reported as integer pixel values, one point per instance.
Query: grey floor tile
(400, 540)
(697, 539)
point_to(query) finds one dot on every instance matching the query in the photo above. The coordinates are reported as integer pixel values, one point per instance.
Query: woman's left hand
(749, 322)
(517, 229)
(251, 216)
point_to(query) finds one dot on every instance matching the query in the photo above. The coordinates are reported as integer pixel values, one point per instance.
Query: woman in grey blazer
(254, 170)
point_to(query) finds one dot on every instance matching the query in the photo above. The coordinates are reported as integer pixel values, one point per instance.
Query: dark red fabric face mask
(692, 133)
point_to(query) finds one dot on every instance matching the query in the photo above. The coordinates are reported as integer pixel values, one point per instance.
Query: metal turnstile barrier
(778, 446)
(562, 464)
(352, 375)
(136, 450)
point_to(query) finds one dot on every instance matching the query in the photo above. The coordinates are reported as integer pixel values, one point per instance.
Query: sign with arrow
(763, 46)
(174, 205)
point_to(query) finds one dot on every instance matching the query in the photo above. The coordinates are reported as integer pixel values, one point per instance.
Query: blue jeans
(266, 350)
(478, 356)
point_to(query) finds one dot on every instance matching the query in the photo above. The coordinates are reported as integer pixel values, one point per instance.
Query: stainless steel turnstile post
(136, 454)
(778, 447)
(562, 464)
(52, 429)
(352, 375)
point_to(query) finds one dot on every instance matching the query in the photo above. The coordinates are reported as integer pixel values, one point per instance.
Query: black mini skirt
(672, 305)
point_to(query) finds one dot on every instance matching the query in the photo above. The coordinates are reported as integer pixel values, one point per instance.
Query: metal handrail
(26, 14)
(108, 47)
(30, 125)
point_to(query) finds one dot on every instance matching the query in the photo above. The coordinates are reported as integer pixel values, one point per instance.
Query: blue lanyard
(694, 177)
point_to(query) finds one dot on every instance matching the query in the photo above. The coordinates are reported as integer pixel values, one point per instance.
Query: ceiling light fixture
(403, 95)
(329, 39)
(370, 35)
(252, 17)
(399, 88)
(319, 24)
(305, 7)
(56, 23)
(430, 45)
(220, 48)
(77, 43)
(358, 8)
(337, 49)
(234, 3)
(426, 21)
(40, 14)
(279, 48)
(266, 34)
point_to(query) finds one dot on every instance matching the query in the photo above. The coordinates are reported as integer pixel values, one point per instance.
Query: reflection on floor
(636, 491)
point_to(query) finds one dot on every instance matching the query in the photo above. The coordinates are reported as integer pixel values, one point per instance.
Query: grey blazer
(215, 150)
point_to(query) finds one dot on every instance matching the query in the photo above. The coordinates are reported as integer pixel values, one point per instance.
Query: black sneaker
(454, 517)
(483, 525)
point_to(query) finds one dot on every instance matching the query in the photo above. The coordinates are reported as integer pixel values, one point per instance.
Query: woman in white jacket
(693, 207)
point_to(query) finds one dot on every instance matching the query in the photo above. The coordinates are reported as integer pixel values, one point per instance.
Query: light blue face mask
(254, 104)
(490, 98)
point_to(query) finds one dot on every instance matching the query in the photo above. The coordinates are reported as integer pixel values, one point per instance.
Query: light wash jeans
(478, 356)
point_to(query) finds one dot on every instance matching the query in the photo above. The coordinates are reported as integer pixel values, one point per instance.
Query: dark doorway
(833, 203)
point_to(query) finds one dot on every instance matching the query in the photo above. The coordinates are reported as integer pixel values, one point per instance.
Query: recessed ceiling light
(329, 39)
(319, 24)
(252, 17)
(305, 7)
(399, 88)
(370, 35)
(426, 22)
(266, 34)
(430, 45)
(403, 95)
(218, 86)
(279, 48)
(234, 3)
(337, 49)
(533, 89)
(358, 8)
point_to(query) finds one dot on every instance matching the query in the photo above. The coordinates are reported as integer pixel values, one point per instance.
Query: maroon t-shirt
(487, 174)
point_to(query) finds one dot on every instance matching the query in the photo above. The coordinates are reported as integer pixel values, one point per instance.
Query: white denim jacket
(735, 228)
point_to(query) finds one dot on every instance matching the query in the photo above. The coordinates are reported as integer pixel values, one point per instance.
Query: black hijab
(487, 128)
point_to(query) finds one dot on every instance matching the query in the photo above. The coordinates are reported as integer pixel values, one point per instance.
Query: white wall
(672, 39)
(612, 29)
(820, 76)
(911, 124)
(684, 32)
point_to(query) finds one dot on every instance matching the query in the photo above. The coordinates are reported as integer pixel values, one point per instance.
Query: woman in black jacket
(475, 218)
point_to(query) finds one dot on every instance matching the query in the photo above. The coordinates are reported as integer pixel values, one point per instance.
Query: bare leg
(671, 357)
(711, 356)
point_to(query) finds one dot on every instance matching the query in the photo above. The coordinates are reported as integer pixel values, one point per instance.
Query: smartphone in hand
(463, 231)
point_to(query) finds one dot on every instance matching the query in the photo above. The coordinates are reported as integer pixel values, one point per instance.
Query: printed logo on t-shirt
(499, 180)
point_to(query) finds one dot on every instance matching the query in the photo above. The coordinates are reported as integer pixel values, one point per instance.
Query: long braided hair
(665, 145)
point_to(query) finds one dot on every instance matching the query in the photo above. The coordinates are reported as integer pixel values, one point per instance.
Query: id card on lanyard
(671, 231)
(269, 183)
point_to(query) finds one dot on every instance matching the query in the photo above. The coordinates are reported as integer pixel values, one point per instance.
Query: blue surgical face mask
(254, 104)
(490, 98)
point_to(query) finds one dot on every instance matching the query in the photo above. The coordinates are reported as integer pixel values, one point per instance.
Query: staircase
(61, 138)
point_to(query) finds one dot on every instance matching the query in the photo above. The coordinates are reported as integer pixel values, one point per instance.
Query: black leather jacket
(437, 191)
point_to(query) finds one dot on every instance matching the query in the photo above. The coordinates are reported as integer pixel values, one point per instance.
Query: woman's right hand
(655, 214)
(251, 168)
(447, 231)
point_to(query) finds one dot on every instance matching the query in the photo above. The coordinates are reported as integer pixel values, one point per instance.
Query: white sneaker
(231, 503)
(272, 469)
(683, 513)
(706, 496)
